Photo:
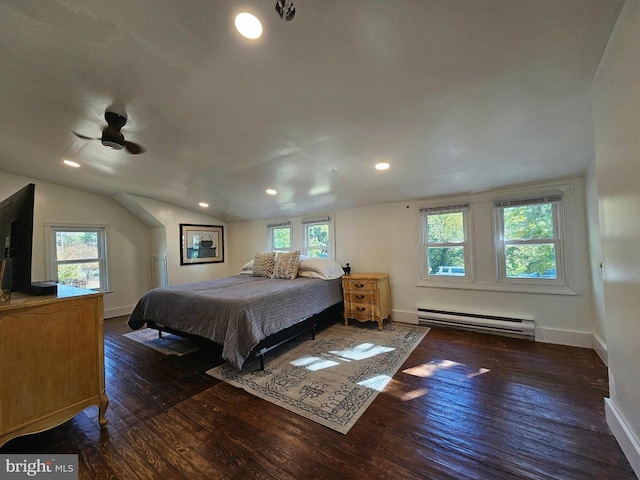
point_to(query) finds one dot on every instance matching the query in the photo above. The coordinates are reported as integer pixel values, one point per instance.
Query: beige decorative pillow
(263, 264)
(287, 265)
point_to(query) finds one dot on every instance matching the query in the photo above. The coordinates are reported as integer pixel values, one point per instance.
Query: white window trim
(270, 229)
(467, 244)
(558, 241)
(50, 250)
(297, 226)
(572, 281)
(318, 221)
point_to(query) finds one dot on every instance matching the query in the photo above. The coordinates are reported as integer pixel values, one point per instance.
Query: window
(317, 238)
(530, 247)
(78, 256)
(314, 237)
(445, 242)
(279, 237)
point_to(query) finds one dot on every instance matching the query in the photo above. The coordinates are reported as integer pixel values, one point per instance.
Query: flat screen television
(16, 236)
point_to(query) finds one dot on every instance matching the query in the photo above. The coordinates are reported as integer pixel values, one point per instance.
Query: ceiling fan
(112, 137)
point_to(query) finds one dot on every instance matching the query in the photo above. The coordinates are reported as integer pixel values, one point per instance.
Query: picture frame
(201, 244)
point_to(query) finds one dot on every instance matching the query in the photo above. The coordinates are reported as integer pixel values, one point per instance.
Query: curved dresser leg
(104, 403)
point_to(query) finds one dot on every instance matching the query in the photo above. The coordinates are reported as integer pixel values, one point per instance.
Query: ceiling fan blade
(134, 148)
(84, 137)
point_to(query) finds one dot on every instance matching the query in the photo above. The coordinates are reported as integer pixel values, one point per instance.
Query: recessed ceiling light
(248, 25)
(71, 163)
(271, 191)
(382, 166)
(204, 204)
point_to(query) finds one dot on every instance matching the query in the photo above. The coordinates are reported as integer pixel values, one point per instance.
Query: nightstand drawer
(360, 297)
(362, 312)
(360, 285)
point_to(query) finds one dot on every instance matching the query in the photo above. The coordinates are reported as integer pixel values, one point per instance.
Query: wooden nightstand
(366, 297)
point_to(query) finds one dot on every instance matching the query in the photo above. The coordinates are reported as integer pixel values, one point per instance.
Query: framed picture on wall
(201, 244)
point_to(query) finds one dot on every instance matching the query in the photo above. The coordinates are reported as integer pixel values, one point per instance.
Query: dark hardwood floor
(464, 406)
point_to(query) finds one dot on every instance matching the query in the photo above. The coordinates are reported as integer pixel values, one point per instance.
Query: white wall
(128, 238)
(595, 262)
(245, 239)
(386, 238)
(166, 240)
(616, 118)
(131, 241)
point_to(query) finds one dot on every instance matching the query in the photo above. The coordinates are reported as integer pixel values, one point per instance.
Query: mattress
(236, 312)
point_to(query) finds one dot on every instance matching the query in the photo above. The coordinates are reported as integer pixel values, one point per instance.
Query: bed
(247, 315)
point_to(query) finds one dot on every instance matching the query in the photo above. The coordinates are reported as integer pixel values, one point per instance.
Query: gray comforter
(236, 312)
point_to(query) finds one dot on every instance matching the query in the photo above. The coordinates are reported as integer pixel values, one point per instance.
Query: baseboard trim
(118, 312)
(623, 435)
(403, 316)
(564, 337)
(601, 349)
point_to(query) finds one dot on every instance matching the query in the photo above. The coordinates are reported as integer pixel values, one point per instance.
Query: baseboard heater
(513, 327)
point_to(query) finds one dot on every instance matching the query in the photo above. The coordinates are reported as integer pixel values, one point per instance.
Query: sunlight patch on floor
(427, 370)
(413, 394)
(314, 363)
(376, 383)
(480, 371)
(362, 351)
(398, 389)
(359, 352)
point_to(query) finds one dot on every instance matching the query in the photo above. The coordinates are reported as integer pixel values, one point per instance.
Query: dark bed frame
(319, 320)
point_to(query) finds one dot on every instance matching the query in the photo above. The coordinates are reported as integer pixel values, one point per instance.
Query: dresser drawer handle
(360, 297)
(361, 309)
(360, 285)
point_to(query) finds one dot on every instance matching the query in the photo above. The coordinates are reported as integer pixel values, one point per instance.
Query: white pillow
(247, 268)
(323, 268)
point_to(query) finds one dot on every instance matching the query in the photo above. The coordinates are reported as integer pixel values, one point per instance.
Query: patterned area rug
(168, 344)
(333, 379)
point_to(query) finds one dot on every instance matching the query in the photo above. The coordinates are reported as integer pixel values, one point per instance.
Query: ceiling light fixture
(271, 191)
(204, 204)
(286, 10)
(248, 25)
(71, 163)
(382, 166)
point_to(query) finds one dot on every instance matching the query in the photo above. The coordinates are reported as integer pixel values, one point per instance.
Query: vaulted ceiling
(457, 95)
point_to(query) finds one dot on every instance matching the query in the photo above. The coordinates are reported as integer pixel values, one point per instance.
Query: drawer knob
(360, 297)
(360, 285)
(361, 309)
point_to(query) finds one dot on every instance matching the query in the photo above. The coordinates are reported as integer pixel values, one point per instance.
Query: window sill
(500, 287)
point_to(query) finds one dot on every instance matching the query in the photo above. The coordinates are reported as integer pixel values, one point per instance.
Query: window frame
(306, 224)
(484, 241)
(466, 244)
(271, 228)
(557, 203)
(299, 232)
(102, 259)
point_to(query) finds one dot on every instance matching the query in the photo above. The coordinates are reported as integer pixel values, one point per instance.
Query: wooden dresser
(51, 360)
(366, 297)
